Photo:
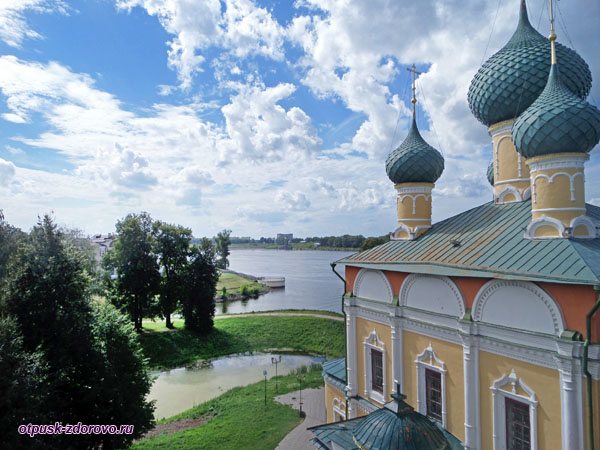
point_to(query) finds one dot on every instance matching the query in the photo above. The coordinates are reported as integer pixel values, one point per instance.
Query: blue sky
(259, 116)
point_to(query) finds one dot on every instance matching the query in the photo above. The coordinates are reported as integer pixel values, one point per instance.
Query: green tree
(9, 240)
(172, 245)
(134, 265)
(201, 287)
(222, 243)
(126, 381)
(371, 242)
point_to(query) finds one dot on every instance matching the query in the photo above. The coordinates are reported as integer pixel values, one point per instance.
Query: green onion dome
(414, 160)
(385, 429)
(510, 81)
(557, 122)
(490, 173)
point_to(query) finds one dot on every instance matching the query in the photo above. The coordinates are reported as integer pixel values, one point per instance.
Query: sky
(261, 116)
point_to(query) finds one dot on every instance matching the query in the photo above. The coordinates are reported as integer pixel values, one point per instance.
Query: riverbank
(297, 246)
(237, 419)
(234, 286)
(308, 333)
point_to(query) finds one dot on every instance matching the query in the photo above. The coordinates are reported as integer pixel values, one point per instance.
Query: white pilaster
(471, 387)
(571, 398)
(397, 353)
(351, 362)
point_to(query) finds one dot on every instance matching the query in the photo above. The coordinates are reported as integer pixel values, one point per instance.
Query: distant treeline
(358, 242)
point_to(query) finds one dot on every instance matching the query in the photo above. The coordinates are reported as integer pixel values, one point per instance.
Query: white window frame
(338, 408)
(372, 342)
(499, 395)
(429, 360)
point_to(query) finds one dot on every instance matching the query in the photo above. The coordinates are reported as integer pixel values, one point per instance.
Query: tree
(133, 262)
(9, 240)
(126, 381)
(201, 287)
(172, 244)
(59, 359)
(222, 243)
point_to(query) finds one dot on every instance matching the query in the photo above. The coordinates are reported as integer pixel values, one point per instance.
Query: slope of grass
(239, 418)
(310, 335)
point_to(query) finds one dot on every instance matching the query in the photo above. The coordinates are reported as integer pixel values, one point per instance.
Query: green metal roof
(414, 160)
(557, 122)
(511, 80)
(488, 241)
(336, 368)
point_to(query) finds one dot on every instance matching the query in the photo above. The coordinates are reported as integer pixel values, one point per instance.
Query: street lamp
(276, 361)
(300, 378)
(265, 374)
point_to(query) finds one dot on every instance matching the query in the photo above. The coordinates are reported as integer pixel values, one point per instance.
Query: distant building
(102, 243)
(284, 239)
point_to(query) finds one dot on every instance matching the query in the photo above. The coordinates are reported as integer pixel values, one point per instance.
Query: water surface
(309, 281)
(179, 389)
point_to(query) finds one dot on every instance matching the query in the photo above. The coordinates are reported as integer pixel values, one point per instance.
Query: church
(482, 331)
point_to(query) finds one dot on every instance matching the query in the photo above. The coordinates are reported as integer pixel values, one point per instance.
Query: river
(309, 281)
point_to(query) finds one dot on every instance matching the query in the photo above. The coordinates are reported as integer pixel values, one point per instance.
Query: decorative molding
(551, 178)
(339, 408)
(471, 388)
(540, 210)
(509, 190)
(452, 289)
(526, 193)
(369, 284)
(572, 161)
(512, 180)
(414, 198)
(499, 395)
(571, 399)
(492, 287)
(372, 342)
(544, 221)
(586, 222)
(397, 353)
(429, 360)
(414, 190)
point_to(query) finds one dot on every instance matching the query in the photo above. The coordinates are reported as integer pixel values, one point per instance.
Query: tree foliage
(222, 243)
(67, 368)
(134, 264)
(172, 244)
(201, 287)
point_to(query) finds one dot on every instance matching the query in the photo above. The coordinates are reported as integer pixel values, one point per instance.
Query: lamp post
(276, 361)
(265, 374)
(300, 401)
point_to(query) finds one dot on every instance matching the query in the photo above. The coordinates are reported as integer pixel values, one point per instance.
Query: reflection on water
(309, 281)
(179, 389)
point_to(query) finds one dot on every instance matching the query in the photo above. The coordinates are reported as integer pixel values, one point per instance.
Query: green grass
(234, 284)
(240, 419)
(302, 334)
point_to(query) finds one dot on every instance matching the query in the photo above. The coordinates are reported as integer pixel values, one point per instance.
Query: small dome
(414, 160)
(557, 122)
(405, 429)
(510, 81)
(490, 173)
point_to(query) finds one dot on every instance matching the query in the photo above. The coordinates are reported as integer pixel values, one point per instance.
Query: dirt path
(275, 313)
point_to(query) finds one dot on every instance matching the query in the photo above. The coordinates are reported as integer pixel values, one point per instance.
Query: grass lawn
(238, 419)
(233, 284)
(303, 334)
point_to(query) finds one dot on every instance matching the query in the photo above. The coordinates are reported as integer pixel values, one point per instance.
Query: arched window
(431, 385)
(375, 373)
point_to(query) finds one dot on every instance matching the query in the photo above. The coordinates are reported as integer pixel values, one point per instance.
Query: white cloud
(293, 201)
(240, 27)
(13, 24)
(7, 172)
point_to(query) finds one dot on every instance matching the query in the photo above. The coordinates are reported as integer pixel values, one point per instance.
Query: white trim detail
(586, 222)
(557, 209)
(571, 403)
(397, 353)
(373, 285)
(519, 164)
(471, 388)
(372, 342)
(351, 363)
(492, 288)
(414, 190)
(572, 161)
(512, 180)
(550, 179)
(339, 409)
(429, 360)
(499, 395)
(509, 190)
(545, 221)
(414, 198)
(453, 295)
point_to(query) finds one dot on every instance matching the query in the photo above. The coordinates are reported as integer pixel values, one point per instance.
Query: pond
(309, 281)
(179, 389)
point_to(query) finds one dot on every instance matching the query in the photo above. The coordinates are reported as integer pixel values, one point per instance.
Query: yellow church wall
(452, 355)
(364, 328)
(544, 382)
(508, 160)
(557, 193)
(331, 393)
(596, 403)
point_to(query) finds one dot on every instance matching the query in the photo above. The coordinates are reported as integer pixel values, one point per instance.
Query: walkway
(313, 404)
